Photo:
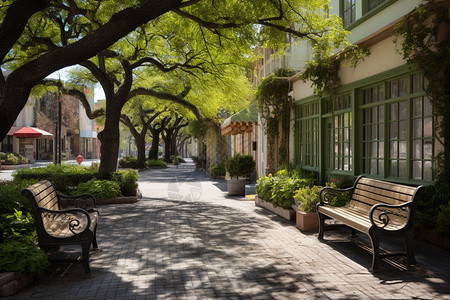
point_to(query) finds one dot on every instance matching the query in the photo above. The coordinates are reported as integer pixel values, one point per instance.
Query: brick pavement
(187, 240)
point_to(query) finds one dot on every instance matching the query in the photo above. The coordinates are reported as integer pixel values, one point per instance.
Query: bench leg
(353, 232)
(321, 225)
(409, 252)
(86, 267)
(376, 252)
(94, 240)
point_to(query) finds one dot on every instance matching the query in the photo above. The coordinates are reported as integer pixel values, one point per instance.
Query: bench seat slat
(383, 194)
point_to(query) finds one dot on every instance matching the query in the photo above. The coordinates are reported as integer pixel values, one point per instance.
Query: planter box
(306, 221)
(288, 214)
(11, 283)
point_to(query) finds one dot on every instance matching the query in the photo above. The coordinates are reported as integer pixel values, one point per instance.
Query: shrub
(443, 219)
(13, 159)
(180, 159)
(128, 162)
(18, 224)
(64, 177)
(99, 188)
(284, 188)
(23, 257)
(218, 170)
(10, 197)
(156, 163)
(127, 180)
(240, 165)
(264, 187)
(306, 198)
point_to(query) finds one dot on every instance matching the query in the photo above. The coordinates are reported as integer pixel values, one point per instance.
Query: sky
(98, 91)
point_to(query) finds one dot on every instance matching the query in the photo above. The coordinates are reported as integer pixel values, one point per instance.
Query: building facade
(380, 123)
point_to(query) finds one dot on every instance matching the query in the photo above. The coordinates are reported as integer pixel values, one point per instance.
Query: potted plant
(306, 200)
(239, 167)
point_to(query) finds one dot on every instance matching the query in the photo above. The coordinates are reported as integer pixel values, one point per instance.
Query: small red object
(79, 159)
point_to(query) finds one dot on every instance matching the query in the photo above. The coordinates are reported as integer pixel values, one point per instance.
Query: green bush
(443, 220)
(10, 197)
(99, 188)
(18, 224)
(306, 198)
(13, 159)
(22, 256)
(264, 186)
(218, 170)
(156, 163)
(180, 159)
(240, 165)
(128, 162)
(64, 177)
(284, 188)
(127, 180)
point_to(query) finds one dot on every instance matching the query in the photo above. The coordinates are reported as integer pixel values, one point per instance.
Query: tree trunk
(167, 146)
(109, 138)
(154, 149)
(140, 145)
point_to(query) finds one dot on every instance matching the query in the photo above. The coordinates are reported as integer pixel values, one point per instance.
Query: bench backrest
(368, 192)
(45, 195)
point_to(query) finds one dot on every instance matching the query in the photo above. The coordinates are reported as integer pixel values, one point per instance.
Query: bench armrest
(327, 194)
(73, 220)
(388, 210)
(84, 201)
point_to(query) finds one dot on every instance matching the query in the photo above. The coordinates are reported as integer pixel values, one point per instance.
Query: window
(308, 134)
(371, 4)
(397, 137)
(422, 132)
(348, 12)
(340, 133)
(373, 131)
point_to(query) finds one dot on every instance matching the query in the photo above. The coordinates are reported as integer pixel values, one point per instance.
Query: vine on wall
(275, 108)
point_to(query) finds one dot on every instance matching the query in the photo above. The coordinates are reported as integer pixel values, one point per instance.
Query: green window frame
(307, 126)
(341, 135)
(348, 11)
(373, 130)
(370, 5)
(397, 129)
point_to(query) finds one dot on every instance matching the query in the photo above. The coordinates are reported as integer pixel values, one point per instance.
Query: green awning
(248, 114)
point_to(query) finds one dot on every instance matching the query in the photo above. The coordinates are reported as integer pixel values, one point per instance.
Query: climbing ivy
(323, 71)
(275, 108)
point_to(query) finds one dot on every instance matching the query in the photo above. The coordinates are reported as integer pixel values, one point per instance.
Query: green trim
(306, 100)
(370, 14)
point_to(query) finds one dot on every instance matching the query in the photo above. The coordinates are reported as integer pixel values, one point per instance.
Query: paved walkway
(187, 240)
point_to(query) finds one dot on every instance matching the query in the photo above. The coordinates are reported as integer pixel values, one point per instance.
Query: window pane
(403, 110)
(403, 129)
(427, 107)
(417, 107)
(394, 150)
(402, 169)
(394, 168)
(394, 130)
(427, 173)
(428, 127)
(381, 149)
(402, 149)
(394, 111)
(417, 149)
(417, 127)
(417, 169)
(394, 89)
(402, 87)
(428, 149)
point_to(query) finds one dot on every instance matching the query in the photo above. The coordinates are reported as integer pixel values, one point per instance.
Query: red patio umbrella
(27, 132)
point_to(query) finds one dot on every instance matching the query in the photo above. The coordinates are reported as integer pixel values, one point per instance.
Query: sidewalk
(186, 239)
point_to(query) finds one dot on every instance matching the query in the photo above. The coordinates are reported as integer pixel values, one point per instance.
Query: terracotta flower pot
(306, 221)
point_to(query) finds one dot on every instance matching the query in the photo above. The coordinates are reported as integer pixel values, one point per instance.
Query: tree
(32, 49)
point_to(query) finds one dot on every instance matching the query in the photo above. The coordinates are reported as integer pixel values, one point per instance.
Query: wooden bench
(63, 220)
(377, 208)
